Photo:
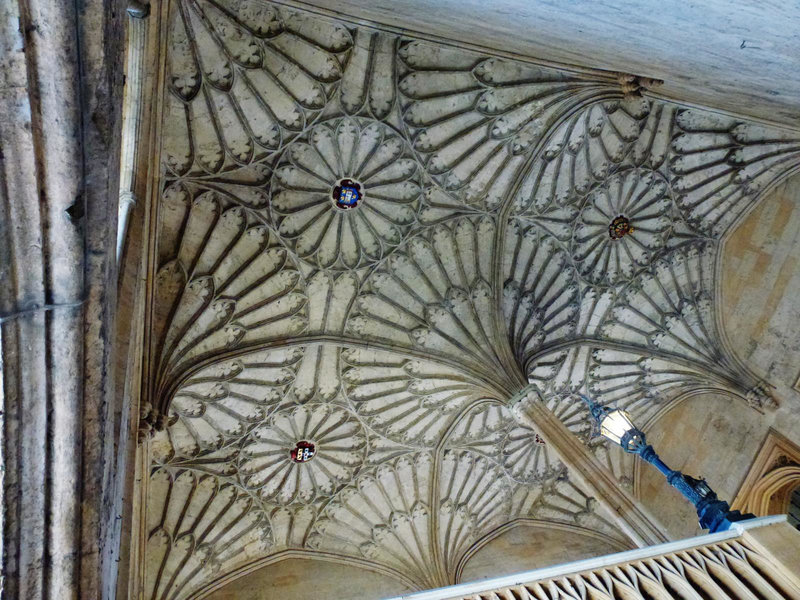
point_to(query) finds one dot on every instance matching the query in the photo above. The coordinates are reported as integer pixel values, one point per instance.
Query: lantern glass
(615, 425)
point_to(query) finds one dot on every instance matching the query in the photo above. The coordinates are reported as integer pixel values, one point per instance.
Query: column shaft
(60, 99)
(530, 410)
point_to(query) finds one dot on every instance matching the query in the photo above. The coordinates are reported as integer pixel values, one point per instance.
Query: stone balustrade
(759, 559)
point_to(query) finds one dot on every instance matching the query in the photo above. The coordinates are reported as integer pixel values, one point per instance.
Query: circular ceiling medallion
(282, 464)
(303, 452)
(620, 227)
(606, 248)
(347, 194)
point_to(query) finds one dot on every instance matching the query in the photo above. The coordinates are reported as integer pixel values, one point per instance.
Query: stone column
(529, 410)
(60, 99)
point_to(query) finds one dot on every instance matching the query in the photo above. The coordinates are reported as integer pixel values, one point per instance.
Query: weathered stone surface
(60, 101)
(514, 225)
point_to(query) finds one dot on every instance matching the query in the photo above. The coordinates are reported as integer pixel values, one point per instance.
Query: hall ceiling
(392, 334)
(733, 55)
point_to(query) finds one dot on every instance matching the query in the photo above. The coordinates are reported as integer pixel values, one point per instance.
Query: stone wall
(60, 100)
(760, 288)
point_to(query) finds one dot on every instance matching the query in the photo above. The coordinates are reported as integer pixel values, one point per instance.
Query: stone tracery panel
(226, 283)
(228, 399)
(541, 485)
(389, 333)
(475, 120)
(384, 516)
(407, 400)
(721, 166)
(372, 154)
(540, 290)
(225, 58)
(198, 527)
(435, 296)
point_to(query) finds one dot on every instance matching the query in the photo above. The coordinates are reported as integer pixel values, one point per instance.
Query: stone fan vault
(393, 334)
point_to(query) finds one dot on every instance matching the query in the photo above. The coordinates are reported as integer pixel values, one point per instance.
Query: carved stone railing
(760, 558)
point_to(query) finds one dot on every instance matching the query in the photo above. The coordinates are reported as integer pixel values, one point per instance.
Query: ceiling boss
(302, 452)
(347, 194)
(620, 227)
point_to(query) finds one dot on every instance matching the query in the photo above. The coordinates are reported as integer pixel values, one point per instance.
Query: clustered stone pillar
(529, 410)
(60, 102)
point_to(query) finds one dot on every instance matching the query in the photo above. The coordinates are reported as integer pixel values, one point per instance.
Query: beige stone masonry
(60, 100)
(772, 478)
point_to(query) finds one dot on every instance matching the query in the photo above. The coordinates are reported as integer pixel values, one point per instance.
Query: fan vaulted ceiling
(392, 334)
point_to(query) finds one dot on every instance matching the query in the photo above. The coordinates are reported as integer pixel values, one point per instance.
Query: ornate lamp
(616, 425)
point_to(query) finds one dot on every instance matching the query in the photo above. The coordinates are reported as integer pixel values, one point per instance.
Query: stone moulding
(773, 476)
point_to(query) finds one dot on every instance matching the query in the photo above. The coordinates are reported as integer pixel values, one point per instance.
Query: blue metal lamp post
(616, 425)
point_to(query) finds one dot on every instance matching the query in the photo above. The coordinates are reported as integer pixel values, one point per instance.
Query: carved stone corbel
(150, 420)
(633, 85)
(760, 396)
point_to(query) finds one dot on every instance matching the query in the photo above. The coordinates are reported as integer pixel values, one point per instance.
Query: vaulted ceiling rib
(392, 334)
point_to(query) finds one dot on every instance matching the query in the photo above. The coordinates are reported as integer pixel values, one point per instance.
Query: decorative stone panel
(503, 223)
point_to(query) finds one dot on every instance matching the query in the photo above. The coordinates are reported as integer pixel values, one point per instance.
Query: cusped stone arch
(771, 494)
(300, 574)
(773, 477)
(528, 544)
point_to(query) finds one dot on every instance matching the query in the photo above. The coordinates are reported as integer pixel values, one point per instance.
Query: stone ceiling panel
(367, 244)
